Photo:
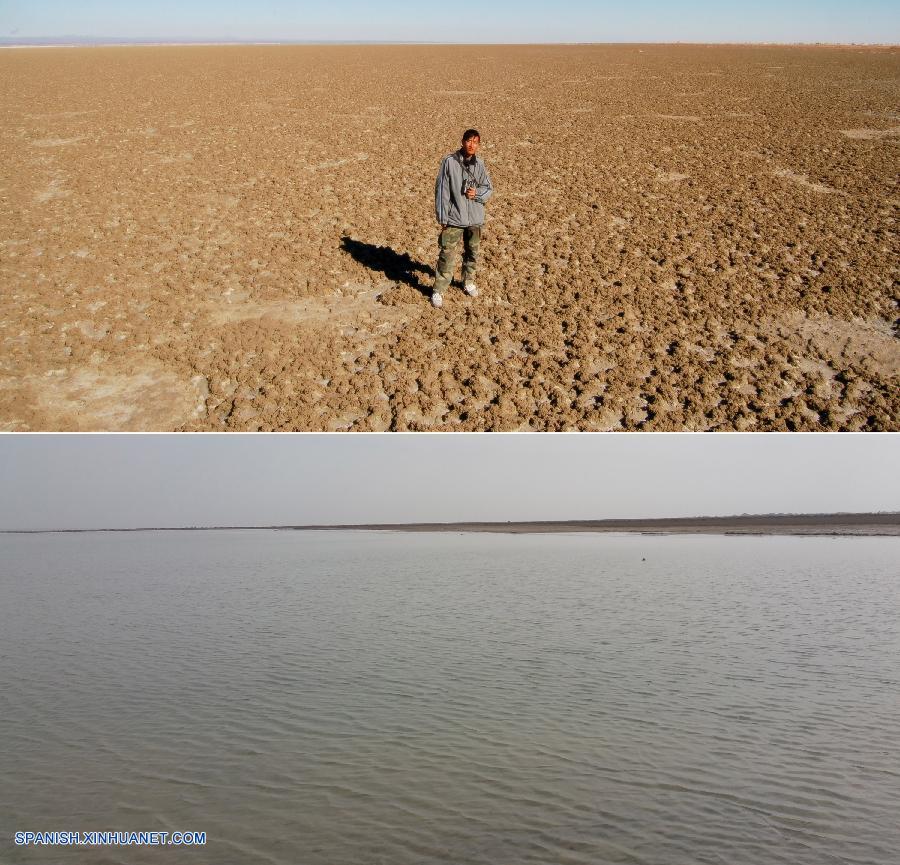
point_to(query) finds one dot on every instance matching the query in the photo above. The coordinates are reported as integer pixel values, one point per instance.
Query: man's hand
(470, 193)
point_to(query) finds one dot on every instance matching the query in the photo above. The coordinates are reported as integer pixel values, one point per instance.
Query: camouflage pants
(448, 240)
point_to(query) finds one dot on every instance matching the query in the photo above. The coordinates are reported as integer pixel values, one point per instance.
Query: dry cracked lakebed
(218, 238)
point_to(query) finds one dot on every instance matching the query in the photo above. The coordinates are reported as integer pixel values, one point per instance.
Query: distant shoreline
(841, 525)
(78, 42)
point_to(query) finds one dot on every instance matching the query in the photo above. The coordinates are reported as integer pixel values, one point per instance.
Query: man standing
(462, 188)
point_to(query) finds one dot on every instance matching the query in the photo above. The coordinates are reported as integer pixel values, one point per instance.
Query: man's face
(470, 146)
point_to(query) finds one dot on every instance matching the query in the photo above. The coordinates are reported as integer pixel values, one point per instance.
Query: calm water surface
(440, 698)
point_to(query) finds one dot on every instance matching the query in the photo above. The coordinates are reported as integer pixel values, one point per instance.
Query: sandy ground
(241, 238)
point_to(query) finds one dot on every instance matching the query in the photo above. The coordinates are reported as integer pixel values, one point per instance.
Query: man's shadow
(396, 267)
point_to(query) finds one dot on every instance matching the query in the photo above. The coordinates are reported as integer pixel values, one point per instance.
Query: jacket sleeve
(442, 194)
(485, 188)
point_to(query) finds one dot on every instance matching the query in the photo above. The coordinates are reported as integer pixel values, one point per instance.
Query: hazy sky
(122, 481)
(495, 21)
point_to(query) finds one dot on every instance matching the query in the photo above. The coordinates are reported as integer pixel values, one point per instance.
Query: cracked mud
(682, 238)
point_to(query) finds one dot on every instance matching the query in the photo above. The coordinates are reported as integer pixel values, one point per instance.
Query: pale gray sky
(123, 481)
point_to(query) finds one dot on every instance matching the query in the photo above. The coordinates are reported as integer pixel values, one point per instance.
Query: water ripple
(378, 698)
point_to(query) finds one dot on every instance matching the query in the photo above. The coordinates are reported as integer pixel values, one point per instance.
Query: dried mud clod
(241, 238)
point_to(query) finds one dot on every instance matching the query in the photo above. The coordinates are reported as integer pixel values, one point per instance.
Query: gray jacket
(451, 207)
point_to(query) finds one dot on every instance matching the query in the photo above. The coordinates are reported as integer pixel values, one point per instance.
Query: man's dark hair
(471, 133)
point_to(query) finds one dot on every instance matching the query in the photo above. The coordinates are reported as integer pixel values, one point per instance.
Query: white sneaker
(469, 289)
(436, 300)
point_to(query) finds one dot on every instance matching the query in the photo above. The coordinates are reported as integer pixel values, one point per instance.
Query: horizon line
(608, 521)
(123, 41)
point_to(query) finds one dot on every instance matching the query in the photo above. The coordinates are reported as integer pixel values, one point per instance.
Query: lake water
(341, 698)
